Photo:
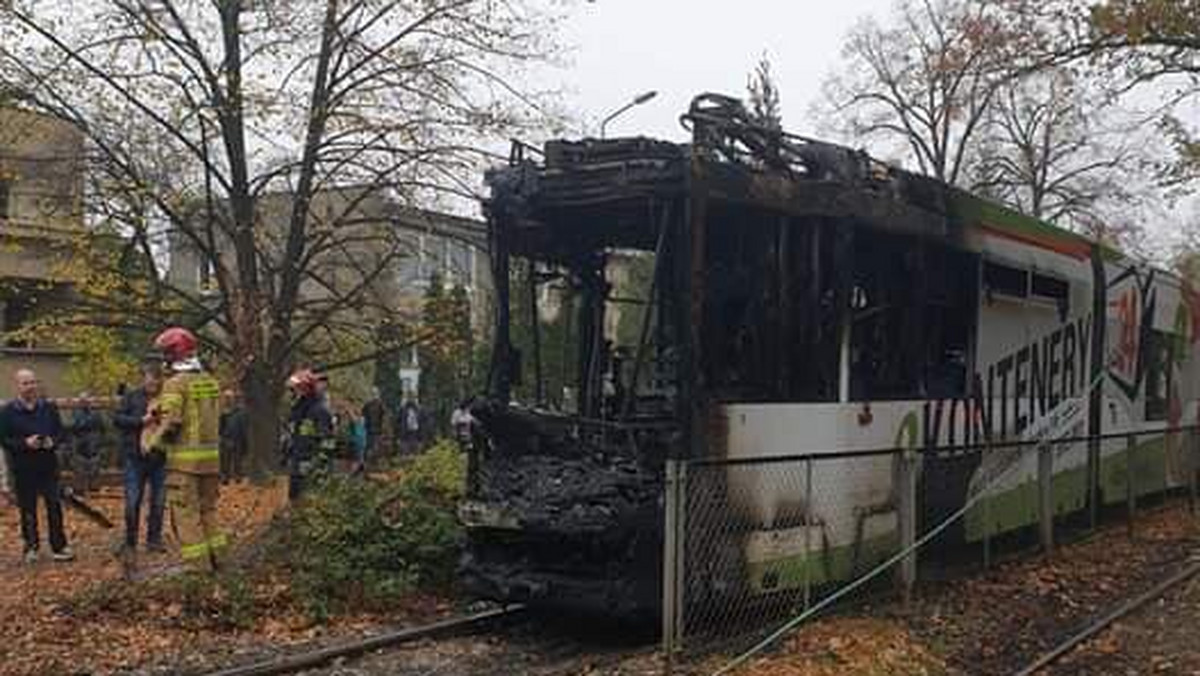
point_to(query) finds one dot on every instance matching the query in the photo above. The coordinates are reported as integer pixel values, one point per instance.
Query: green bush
(439, 474)
(224, 601)
(363, 545)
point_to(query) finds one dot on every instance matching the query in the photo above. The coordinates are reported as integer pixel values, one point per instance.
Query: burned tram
(757, 294)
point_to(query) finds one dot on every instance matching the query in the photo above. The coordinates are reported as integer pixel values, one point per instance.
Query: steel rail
(307, 660)
(1102, 623)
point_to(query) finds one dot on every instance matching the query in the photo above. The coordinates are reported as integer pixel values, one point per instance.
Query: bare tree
(764, 96)
(922, 83)
(199, 112)
(1129, 44)
(1053, 148)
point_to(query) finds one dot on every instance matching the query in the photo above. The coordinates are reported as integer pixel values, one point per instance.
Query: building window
(5, 191)
(424, 265)
(17, 313)
(207, 282)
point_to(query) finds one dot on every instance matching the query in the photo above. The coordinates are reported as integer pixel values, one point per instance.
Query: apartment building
(41, 216)
(412, 246)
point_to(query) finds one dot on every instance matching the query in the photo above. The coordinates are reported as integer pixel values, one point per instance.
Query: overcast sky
(684, 47)
(680, 48)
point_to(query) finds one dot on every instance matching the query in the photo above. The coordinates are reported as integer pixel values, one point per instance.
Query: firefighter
(183, 423)
(311, 442)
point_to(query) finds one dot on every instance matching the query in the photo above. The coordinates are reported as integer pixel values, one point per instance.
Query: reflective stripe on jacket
(187, 428)
(311, 427)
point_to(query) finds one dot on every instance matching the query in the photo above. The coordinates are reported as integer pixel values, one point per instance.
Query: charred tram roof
(589, 193)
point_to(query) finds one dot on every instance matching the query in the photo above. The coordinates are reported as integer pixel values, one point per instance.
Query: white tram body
(755, 295)
(1033, 362)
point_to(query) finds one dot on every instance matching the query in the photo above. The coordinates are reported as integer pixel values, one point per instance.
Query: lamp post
(637, 101)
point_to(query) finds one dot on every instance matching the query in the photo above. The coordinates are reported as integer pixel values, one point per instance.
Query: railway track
(507, 640)
(1094, 628)
(315, 658)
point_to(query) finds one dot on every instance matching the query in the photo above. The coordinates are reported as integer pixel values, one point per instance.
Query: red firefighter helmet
(176, 344)
(303, 382)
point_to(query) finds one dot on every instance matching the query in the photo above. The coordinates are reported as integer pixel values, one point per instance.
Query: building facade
(41, 217)
(383, 254)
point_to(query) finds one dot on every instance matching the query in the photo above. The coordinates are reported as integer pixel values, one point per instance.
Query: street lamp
(637, 101)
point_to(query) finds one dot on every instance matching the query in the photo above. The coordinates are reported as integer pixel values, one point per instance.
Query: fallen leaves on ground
(82, 617)
(1000, 620)
(849, 646)
(997, 621)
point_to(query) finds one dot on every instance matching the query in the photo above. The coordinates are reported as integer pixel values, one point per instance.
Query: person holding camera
(32, 429)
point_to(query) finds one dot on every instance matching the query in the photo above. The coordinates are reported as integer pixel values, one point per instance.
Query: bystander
(372, 416)
(143, 468)
(32, 429)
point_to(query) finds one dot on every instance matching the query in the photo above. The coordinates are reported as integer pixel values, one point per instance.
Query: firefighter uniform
(186, 426)
(312, 442)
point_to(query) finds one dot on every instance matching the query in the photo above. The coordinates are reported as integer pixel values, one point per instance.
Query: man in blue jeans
(141, 469)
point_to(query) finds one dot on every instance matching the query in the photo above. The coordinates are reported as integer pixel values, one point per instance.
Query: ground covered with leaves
(360, 555)
(367, 555)
(1000, 620)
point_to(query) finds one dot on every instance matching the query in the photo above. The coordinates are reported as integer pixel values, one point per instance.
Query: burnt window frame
(767, 336)
(954, 294)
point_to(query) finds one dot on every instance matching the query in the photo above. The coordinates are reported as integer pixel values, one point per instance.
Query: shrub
(223, 601)
(363, 545)
(439, 474)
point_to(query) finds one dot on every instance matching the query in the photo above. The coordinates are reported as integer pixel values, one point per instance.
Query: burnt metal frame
(730, 161)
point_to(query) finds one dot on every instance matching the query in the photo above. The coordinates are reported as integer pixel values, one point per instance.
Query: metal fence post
(808, 523)
(1045, 477)
(908, 521)
(682, 482)
(1130, 494)
(673, 493)
(1191, 448)
(986, 501)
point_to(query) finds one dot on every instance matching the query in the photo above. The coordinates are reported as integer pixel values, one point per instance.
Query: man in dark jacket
(142, 468)
(32, 428)
(311, 443)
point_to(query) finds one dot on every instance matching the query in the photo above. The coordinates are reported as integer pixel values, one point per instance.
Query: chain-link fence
(757, 545)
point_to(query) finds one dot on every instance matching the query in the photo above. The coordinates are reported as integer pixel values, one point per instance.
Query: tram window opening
(1003, 280)
(1052, 288)
(912, 316)
(1159, 357)
(576, 328)
(629, 281)
(770, 327)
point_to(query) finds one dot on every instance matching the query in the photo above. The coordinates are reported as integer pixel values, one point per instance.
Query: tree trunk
(262, 401)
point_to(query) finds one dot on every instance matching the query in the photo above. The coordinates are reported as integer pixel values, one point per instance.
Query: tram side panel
(1033, 377)
(1151, 381)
